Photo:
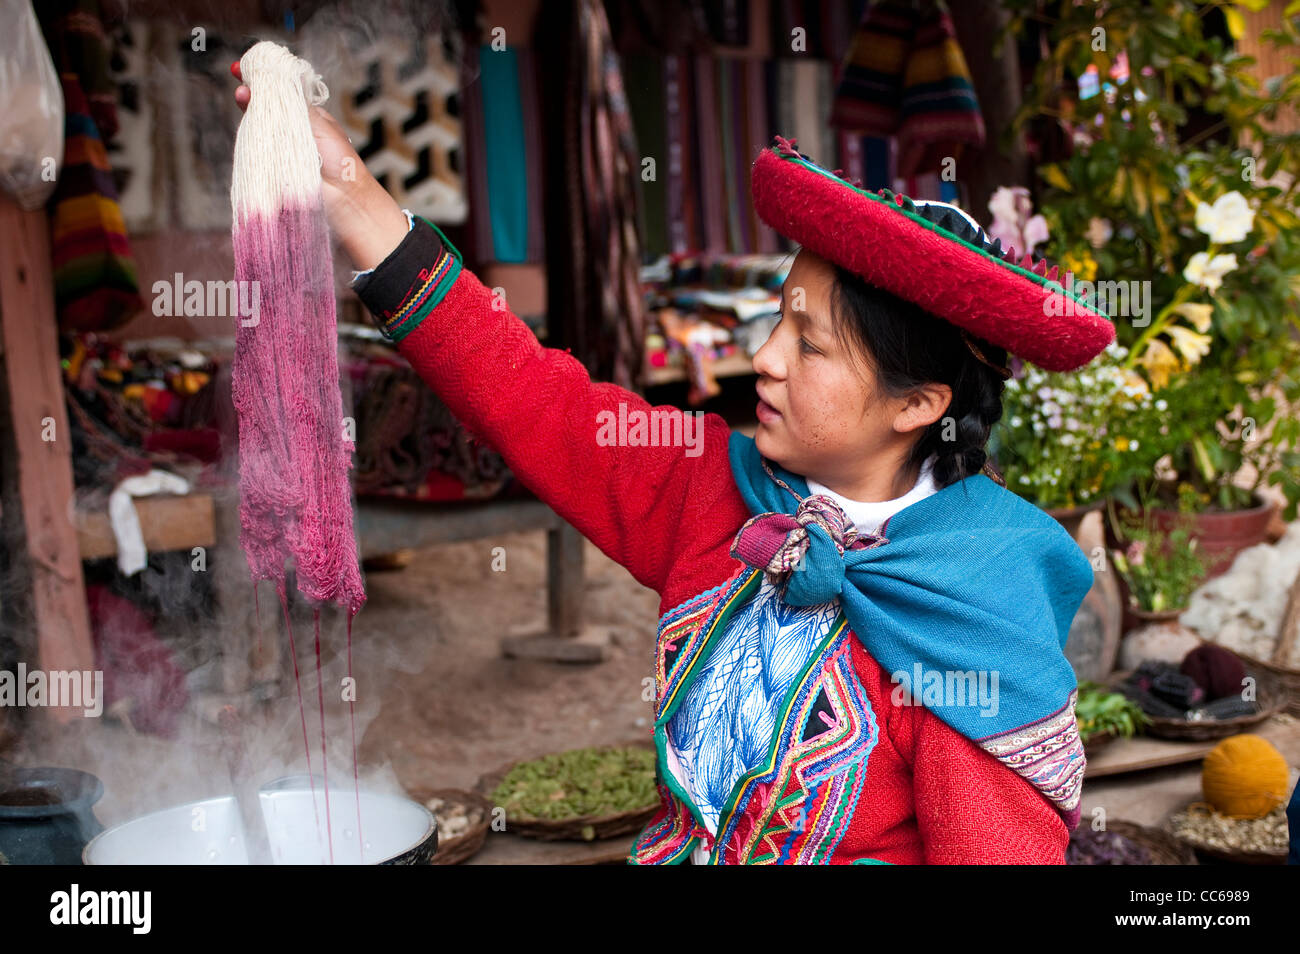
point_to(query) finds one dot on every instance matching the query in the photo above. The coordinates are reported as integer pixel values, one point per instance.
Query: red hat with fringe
(930, 254)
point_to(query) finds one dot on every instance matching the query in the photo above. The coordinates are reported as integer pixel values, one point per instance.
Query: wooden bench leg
(565, 583)
(565, 593)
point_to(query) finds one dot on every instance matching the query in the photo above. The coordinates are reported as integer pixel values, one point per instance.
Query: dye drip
(295, 494)
(302, 712)
(324, 759)
(352, 721)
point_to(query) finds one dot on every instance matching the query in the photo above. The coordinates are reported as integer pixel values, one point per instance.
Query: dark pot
(47, 815)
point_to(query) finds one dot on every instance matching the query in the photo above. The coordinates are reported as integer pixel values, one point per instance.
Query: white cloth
(131, 554)
(868, 515)
(743, 657)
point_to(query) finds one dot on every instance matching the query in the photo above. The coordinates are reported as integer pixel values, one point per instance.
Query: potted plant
(1159, 568)
(1173, 208)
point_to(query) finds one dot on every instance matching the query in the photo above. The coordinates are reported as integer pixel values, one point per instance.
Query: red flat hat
(931, 256)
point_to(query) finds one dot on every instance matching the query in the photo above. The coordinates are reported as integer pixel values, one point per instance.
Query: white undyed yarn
(1242, 608)
(276, 161)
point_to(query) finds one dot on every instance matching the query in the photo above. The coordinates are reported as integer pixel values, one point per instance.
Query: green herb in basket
(583, 782)
(1100, 710)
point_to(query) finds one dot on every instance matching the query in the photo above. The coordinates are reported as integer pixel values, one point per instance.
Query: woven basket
(1269, 695)
(571, 829)
(452, 851)
(1221, 854)
(1286, 680)
(1163, 847)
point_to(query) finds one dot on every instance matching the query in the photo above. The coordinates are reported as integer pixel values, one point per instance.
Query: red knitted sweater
(930, 794)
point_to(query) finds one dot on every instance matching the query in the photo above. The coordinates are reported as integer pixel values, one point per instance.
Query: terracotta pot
(1221, 535)
(1094, 636)
(1072, 517)
(1157, 616)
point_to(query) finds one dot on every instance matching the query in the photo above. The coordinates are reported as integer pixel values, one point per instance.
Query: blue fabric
(973, 578)
(1293, 823)
(727, 718)
(507, 177)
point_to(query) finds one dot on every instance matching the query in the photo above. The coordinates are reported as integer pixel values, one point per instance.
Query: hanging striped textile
(905, 76)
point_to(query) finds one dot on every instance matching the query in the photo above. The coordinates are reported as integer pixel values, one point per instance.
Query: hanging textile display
(905, 76)
(595, 305)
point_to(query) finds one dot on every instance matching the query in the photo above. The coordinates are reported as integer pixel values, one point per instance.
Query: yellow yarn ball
(1244, 776)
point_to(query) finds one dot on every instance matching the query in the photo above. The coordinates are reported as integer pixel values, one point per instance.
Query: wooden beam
(166, 523)
(385, 526)
(42, 444)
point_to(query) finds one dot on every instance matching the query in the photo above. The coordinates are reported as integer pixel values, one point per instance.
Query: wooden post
(564, 581)
(42, 446)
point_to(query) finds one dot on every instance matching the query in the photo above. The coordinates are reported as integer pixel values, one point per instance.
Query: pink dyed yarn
(296, 498)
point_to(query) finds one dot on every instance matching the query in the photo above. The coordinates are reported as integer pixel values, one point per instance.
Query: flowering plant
(1070, 439)
(1171, 184)
(1162, 569)
(1067, 440)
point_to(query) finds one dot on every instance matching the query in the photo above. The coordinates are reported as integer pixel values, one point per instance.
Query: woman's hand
(366, 220)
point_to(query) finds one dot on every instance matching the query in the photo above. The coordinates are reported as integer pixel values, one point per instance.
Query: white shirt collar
(868, 515)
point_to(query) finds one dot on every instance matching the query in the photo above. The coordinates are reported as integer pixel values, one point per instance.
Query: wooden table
(1147, 794)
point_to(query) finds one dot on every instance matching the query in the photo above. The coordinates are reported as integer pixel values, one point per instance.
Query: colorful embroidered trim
(669, 838)
(1049, 755)
(433, 287)
(817, 763)
(693, 622)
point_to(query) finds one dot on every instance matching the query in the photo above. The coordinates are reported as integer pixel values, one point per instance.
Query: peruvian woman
(859, 655)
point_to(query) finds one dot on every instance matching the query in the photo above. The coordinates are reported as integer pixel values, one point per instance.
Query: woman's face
(820, 413)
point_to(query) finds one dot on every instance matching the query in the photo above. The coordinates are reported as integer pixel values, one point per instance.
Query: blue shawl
(970, 580)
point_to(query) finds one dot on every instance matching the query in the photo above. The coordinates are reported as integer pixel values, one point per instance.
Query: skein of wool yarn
(295, 496)
(1244, 776)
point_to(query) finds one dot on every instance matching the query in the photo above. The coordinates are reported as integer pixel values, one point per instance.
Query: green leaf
(1056, 178)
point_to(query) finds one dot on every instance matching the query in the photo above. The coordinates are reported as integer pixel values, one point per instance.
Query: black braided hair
(907, 347)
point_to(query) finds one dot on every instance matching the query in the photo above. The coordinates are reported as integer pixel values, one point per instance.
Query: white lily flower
(1208, 272)
(1229, 220)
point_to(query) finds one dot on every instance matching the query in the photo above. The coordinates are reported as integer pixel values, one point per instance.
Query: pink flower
(1135, 551)
(1013, 219)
